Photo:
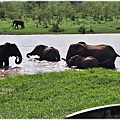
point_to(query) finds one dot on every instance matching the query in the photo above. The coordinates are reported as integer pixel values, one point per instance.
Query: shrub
(56, 28)
(81, 30)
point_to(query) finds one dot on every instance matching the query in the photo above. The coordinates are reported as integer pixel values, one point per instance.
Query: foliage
(66, 27)
(41, 10)
(102, 16)
(2, 13)
(81, 29)
(55, 28)
(57, 94)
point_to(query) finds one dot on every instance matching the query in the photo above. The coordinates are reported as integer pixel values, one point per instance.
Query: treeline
(45, 11)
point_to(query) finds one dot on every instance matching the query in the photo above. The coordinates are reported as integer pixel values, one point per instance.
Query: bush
(2, 12)
(73, 18)
(56, 28)
(81, 30)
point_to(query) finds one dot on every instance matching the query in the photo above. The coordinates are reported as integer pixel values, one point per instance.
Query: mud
(9, 71)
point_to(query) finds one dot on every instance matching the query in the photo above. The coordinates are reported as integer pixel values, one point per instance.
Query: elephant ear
(7, 47)
(41, 48)
(82, 43)
(80, 47)
(7, 43)
(78, 58)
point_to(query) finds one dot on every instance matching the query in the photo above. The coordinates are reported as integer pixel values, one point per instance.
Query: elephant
(8, 50)
(45, 53)
(18, 22)
(85, 62)
(101, 52)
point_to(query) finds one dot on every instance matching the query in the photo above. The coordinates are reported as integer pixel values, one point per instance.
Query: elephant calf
(85, 62)
(101, 52)
(45, 53)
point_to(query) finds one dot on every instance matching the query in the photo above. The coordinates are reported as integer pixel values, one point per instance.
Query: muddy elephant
(8, 50)
(100, 52)
(45, 53)
(18, 22)
(85, 62)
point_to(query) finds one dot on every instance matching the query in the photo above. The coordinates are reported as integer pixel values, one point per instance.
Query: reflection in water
(26, 43)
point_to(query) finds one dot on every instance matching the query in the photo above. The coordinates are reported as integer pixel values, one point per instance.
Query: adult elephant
(45, 53)
(85, 62)
(100, 52)
(8, 50)
(18, 22)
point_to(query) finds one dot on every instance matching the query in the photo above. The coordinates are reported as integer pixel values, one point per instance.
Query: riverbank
(57, 94)
(68, 27)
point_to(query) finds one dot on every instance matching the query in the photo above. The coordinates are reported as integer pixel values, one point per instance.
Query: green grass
(70, 27)
(57, 94)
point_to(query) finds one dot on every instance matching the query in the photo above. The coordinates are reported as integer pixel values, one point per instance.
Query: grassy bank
(70, 27)
(57, 94)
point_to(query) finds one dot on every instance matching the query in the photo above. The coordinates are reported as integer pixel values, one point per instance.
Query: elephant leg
(38, 59)
(22, 26)
(6, 62)
(16, 25)
(110, 65)
(1, 64)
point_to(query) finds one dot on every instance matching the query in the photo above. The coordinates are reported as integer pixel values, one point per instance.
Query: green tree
(2, 12)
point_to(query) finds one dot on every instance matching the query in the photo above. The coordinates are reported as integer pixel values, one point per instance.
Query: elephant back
(51, 54)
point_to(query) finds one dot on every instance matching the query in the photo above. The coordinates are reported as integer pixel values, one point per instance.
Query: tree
(2, 12)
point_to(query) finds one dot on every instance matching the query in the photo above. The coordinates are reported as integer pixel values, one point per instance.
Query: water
(26, 44)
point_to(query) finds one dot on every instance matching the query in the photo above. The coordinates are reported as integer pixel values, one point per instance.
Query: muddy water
(26, 43)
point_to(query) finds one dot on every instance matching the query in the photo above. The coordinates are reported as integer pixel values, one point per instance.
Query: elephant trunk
(18, 59)
(34, 52)
(28, 55)
(69, 55)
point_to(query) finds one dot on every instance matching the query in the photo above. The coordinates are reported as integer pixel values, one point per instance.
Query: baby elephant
(85, 62)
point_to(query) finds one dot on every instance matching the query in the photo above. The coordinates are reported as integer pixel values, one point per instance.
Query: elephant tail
(102, 64)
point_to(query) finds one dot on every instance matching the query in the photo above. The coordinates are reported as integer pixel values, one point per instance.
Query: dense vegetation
(62, 16)
(57, 94)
